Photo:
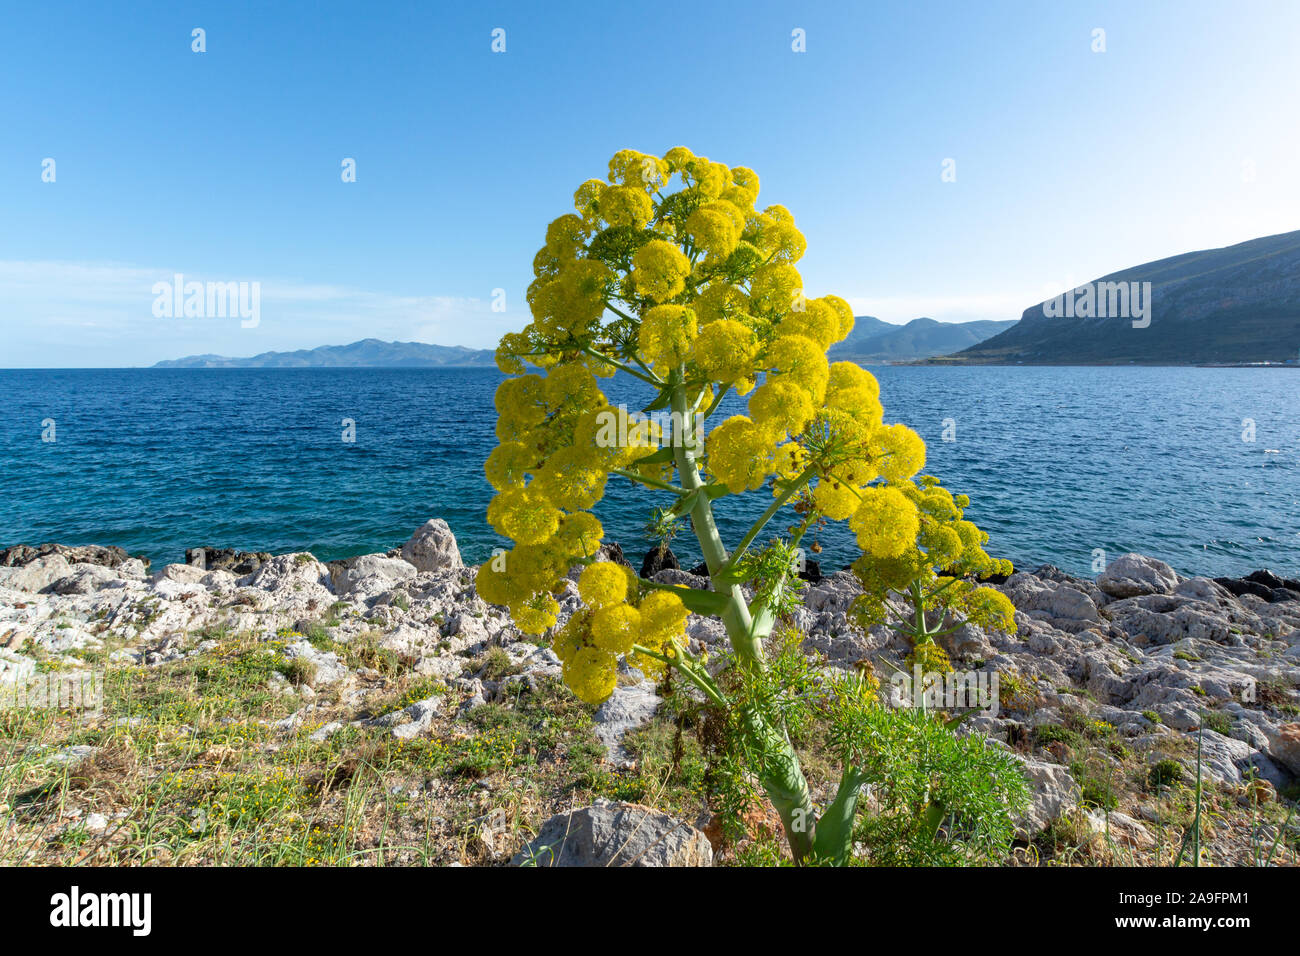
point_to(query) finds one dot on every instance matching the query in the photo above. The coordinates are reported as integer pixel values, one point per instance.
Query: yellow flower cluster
(592, 641)
(935, 548)
(697, 286)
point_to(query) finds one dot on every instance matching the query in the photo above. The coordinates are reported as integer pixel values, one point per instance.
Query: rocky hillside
(275, 709)
(367, 353)
(1236, 304)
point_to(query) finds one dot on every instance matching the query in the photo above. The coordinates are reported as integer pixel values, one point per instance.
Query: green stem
(835, 825)
(646, 480)
(779, 773)
(758, 526)
(687, 669)
(619, 365)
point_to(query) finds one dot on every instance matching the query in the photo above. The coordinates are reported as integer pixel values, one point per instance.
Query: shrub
(695, 293)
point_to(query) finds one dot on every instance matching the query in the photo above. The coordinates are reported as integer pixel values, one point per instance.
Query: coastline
(396, 649)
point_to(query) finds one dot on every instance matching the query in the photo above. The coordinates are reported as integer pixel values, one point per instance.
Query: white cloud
(79, 313)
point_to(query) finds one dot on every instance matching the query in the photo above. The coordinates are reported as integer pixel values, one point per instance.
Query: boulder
(227, 559)
(1284, 745)
(616, 834)
(433, 547)
(1131, 575)
(181, 574)
(15, 668)
(288, 571)
(625, 709)
(1057, 601)
(1224, 760)
(85, 579)
(1054, 793)
(109, 557)
(373, 574)
(35, 575)
(1238, 587)
(658, 559)
(1121, 828)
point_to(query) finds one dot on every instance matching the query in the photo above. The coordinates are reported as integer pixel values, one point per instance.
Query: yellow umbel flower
(591, 674)
(494, 585)
(816, 320)
(569, 482)
(835, 499)
(633, 168)
(573, 636)
(509, 464)
(579, 535)
(800, 360)
(602, 584)
(853, 389)
(524, 516)
(663, 618)
(942, 545)
(586, 199)
(774, 290)
(659, 270)
(705, 177)
(885, 522)
(725, 350)
(677, 158)
(565, 236)
(902, 452)
(781, 408)
(720, 300)
(747, 181)
(626, 206)
(930, 657)
(536, 614)
(667, 332)
(845, 313)
(715, 228)
(615, 628)
(740, 455)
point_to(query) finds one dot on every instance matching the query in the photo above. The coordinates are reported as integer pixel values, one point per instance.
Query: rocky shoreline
(1143, 662)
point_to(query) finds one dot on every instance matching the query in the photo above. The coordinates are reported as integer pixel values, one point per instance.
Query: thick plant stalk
(835, 825)
(780, 774)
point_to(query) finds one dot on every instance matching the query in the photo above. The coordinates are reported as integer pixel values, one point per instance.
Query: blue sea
(1058, 462)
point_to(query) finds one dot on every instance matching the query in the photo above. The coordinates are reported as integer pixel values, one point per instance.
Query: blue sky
(225, 165)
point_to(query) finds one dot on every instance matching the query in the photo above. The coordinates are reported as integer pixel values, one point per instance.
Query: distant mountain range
(368, 353)
(1239, 304)
(873, 340)
(1233, 305)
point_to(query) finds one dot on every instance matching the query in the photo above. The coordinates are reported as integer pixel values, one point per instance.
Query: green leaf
(701, 602)
(934, 815)
(662, 400)
(685, 504)
(662, 457)
(957, 721)
(728, 575)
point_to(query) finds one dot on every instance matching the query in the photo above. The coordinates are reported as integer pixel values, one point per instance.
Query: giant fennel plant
(694, 291)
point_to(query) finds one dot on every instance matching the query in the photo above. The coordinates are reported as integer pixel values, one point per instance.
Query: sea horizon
(1036, 460)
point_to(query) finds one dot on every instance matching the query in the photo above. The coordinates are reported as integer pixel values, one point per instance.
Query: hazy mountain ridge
(1240, 303)
(367, 353)
(874, 340)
